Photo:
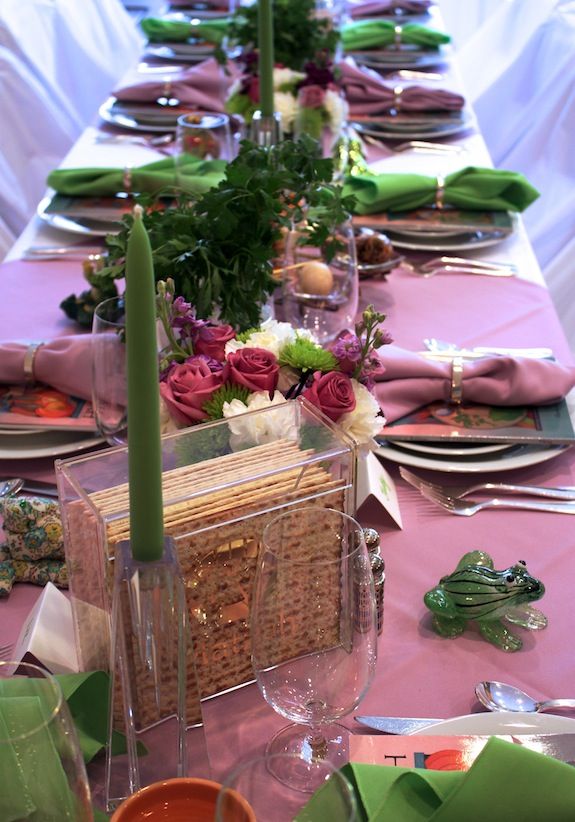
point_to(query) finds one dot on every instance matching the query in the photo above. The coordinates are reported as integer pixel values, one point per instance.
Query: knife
(396, 724)
(44, 489)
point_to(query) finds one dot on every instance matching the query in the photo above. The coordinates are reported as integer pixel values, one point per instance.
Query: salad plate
(46, 444)
(453, 448)
(148, 117)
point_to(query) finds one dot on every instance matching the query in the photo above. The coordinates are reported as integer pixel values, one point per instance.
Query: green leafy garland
(219, 248)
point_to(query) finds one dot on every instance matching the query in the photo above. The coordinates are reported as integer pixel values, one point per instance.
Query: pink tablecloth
(418, 673)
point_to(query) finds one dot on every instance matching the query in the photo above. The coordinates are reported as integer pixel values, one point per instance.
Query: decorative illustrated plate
(46, 444)
(84, 225)
(500, 722)
(520, 456)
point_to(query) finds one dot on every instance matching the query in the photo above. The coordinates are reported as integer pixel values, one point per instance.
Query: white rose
(286, 77)
(232, 346)
(167, 424)
(286, 104)
(337, 110)
(259, 429)
(363, 423)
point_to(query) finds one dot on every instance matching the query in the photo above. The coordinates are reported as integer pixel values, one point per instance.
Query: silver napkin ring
(167, 90)
(440, 192)
(398, 31)
(456, 395)
(397, 92)
(29, 360)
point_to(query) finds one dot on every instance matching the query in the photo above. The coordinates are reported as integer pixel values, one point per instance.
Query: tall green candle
(144, 442)
(266, 56)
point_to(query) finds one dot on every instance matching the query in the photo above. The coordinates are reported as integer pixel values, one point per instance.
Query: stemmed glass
(313, 634)
(320, 283)
(43, 773)
(109, 387)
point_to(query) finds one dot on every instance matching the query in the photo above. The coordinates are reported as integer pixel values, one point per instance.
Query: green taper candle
(266, 56)
(144, 441)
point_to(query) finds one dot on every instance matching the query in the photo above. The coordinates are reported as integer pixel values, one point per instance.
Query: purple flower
(347, 350)
(214, 365)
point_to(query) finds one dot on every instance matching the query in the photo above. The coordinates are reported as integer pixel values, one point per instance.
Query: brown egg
(315, 278)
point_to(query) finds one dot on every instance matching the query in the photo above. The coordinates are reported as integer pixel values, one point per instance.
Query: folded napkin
(374, 8)
(506, 783)
(409, 381)
(194, 176)
(472, 188)
(64, 363)
(373, 34)
(367, 93)
(204, 86)
(33, 548)
(175, 31)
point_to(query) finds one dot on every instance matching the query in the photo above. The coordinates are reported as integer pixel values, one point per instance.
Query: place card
(375, 485)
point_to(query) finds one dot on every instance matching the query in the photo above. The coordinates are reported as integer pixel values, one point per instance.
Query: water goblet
(109, 387)
(253, 781)
(320, 283)
(201, 135)
(43, 773)
(313, 635)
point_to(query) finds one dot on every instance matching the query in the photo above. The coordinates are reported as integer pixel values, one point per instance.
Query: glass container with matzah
(222, 483)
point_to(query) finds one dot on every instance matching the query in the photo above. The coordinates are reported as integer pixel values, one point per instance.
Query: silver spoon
(497, 696)
(8, 487)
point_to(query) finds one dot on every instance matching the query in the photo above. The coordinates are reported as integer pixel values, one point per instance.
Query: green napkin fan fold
(193, 176)
(471, 188)
(373, 34)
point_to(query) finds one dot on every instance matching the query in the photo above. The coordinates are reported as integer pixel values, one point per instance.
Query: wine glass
(109, 386)
(253, 782)
(320, 283)
(313, 634)
(201, 135)
(43, 773)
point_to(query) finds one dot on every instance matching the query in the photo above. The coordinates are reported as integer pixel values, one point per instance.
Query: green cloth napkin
(506, 783)
(194, 176)
(372, 34)
(173, 31)
(471, 188)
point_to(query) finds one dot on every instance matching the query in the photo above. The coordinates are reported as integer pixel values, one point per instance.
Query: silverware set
(559, 500)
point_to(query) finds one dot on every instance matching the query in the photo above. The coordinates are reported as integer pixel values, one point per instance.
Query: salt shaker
(372, 541)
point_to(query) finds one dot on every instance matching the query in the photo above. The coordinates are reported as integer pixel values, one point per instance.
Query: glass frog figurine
(475, 591)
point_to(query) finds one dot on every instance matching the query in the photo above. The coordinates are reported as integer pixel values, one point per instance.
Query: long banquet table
(418, 673)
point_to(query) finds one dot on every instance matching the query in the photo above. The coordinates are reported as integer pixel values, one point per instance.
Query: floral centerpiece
(208, 371)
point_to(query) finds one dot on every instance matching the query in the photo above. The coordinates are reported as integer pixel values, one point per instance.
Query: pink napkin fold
(367, 93)
(409, 381)
(204, 86)
(64, 363)
(373, 8)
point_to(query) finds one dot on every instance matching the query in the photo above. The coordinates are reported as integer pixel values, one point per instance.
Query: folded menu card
(506, 783)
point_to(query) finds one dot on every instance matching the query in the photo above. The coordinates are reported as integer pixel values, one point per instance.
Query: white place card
(375, 484)
(48, 634)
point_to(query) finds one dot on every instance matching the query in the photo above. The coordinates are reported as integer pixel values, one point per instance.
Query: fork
(467, 509)
(458, 268)
(5, 651)
(459, 491)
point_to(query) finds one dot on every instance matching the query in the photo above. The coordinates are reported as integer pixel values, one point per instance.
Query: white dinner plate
(456, 242)
(500, 722)
(405, 60)
(412, 133)
(452, 448)
(158, 120)
(46, 444)
(85, 226)
(520, 456)
(10, 430)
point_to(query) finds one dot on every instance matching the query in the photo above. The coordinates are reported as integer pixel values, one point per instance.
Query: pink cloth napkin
(367, 94)
(373, 8)
(204, 86)
(410, 381)
(65, 363)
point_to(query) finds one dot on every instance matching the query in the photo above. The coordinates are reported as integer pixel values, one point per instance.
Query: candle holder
(148, 670)
(266, 131)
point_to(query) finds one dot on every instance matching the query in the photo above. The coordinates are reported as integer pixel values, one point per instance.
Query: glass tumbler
(109, 386)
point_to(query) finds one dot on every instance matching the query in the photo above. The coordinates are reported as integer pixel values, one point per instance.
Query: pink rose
(332, 393)
(254, 89)
(311, 96)
(187, 387)
(211, 340)
(255, 368)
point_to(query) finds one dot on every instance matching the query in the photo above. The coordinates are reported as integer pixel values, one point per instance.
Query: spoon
(497, 696)
(9, 487)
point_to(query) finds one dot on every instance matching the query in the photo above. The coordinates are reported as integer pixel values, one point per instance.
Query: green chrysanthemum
(228, 392)
(304, 355)
(244, 336)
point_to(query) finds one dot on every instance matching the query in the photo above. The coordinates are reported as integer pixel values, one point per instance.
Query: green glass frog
(476, 591)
